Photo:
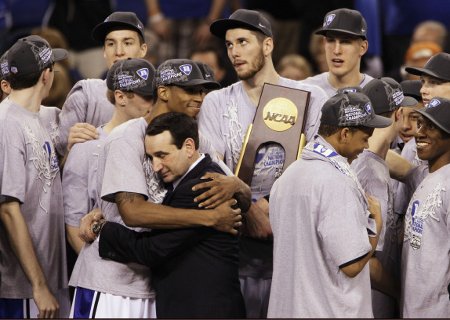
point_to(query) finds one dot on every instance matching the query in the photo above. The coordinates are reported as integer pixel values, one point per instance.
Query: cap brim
(220, 27)
(324, 32)
(59, 54)
(423, 112)
(101, 30)
(199, 82)
(409, 102)
(421, 71)
(378, 122)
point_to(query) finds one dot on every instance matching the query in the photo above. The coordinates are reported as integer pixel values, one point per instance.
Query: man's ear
(189, 145)
(163, 93)
(121, 98)
(345, 135)
(267, 46)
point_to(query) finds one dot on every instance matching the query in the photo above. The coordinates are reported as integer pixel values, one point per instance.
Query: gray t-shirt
(321, 80)
(119, 169)
(319, 219)
(224, 119)
(86, 102)
(373, 174)
(29, 172)
(79, 181)
(426, 249)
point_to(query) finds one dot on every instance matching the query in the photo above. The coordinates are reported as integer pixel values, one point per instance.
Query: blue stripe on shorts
(83, 303)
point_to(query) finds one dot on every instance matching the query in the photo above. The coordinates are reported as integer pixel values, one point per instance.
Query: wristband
(98, 226)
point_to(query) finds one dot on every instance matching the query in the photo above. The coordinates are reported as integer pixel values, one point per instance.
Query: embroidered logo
(433, 103)
(186, 68)
(143, 73)
(328, 19)
(155, 188)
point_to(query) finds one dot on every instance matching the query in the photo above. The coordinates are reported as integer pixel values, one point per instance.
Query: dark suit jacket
(194, 270)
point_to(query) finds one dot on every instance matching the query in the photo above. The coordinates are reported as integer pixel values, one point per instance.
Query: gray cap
(411, 88)
(131, 75)
(351, 109)
(242, 18)
(182, 73)
(344, 21)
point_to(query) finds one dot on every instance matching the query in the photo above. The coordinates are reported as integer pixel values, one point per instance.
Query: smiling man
(345, 42)
(426, 246)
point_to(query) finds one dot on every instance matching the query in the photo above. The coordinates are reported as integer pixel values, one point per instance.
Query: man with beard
(345, 42)
(224, 119)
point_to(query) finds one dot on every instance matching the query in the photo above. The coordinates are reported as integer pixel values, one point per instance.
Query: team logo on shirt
(328, 19)
(416, 226)
(186, 68)
(419, 212)
(143, 73)
(280, 114)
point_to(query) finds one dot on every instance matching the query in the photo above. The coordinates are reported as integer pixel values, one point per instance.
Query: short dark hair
(27, 80)
(180, 126)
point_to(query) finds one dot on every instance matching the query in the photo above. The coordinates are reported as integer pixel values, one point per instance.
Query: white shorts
(93, 304)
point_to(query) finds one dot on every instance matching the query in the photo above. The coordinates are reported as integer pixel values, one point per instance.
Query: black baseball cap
(118, 21)
(182, 73)
(31, 55)
(352, 109)
(132, 75)
(344, 21)
(438, 112)
(349, 89)
(242, 18)
(386, 95)
(411, 88)
(438, 66)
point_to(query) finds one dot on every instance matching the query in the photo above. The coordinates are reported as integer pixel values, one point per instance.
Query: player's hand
(257, 223)
(81, 132)
(227, 219)
(86, 233)
(220, 188)
(47, 305)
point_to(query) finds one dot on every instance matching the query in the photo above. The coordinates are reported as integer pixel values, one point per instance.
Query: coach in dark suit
(194, 270)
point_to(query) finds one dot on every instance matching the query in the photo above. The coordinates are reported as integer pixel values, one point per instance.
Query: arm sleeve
(343, 228)
(73, 111)
(210, 120)
(76, 196)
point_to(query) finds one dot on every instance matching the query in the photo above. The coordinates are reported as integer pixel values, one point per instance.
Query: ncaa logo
(433, 103)
(143, 73)
(186, 69)
(328, 19)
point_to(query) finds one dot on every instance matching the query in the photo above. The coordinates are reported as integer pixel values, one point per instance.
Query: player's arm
(354, 267)
(20, 240)
(256, 223)
(381, 280)
(137, 212)
(398, 166)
